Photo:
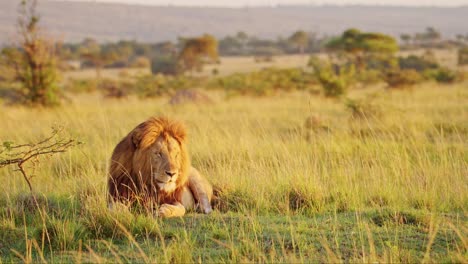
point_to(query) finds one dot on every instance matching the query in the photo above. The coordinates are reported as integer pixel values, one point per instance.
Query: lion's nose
(170, 173)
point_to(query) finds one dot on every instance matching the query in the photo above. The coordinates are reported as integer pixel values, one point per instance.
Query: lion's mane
(130, 165)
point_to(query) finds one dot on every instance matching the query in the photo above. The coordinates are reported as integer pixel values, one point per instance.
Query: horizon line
(117, 2)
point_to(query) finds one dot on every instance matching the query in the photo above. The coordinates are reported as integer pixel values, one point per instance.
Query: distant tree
(34, 61)
(91, 51)
(231, 46)
(315, 43)
(418, 38)
(416, 63)
(432, 35)
(427, 38)
(266, 53)
(406, 38)
(118, 55)
(197, 50)
(168, 48)
(355, 41)
(167, 65)
(242, 39)
(242, 36)
(300, 39)
(460, 38)
(263, 47)
(360, 47)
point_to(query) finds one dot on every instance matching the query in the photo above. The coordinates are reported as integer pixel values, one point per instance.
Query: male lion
(151, 166)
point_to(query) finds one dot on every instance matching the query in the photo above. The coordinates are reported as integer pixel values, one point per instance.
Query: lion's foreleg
(201, 189)
(187, 199)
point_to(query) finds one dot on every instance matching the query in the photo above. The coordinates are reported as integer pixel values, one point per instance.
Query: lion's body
(151, 166)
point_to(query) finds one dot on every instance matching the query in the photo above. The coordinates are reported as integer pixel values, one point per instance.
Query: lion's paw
(205, 205)
(207, 210)
(165, 210)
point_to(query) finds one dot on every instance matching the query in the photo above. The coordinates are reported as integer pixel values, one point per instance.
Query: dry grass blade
(132, 240)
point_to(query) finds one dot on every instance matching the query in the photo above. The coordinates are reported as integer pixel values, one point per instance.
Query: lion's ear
(180, 138)
(137, 135)
(180, 134)
(145, 134)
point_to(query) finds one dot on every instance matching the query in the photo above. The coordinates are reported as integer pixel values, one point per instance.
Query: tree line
(34, 62)
(431, 38)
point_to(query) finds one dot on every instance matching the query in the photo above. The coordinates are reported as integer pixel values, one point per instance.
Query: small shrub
(151, 86)
(159, 85)
(140, 62)
(334, 78)
(264, 82)
(442, 75)
(402, 78)
(115, 89)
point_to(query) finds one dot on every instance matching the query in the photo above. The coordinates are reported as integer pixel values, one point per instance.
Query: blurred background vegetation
(323, 148)
(240, 64)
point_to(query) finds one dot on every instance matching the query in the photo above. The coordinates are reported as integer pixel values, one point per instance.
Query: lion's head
(153, 155)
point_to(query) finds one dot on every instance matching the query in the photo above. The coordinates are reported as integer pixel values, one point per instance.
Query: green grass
(389, 187)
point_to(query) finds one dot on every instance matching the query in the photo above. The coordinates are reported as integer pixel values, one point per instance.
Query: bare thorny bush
(27, 156)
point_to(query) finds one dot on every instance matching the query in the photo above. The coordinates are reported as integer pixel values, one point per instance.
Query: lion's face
(151, 155)
(165, 159)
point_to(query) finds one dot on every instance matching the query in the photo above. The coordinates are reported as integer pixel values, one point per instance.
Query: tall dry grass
(385, 187)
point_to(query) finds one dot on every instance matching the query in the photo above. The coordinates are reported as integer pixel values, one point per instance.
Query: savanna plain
(300, 178)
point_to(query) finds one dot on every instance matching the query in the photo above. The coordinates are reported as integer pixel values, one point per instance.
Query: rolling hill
(73, 21)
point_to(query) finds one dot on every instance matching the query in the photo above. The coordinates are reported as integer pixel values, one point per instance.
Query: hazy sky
(285, 2)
